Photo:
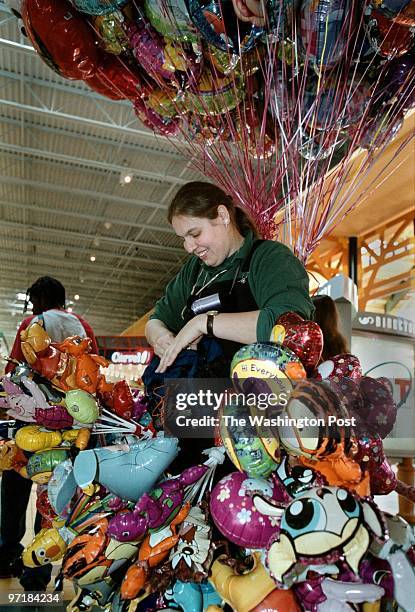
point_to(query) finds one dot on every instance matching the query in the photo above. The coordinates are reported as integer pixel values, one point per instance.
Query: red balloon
(115, 80)
(62, 37)
(304, 338)
(388, 37)
(44, 507)
(341, 366)
(123, 400)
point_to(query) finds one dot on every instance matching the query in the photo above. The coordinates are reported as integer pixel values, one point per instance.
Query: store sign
(385, 324)
(137, 358)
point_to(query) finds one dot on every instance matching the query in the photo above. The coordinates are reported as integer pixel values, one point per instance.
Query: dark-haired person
(47, 296)
(257, 280)
(327, 317)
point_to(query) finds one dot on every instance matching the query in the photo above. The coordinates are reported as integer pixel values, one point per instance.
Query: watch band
(209, 325)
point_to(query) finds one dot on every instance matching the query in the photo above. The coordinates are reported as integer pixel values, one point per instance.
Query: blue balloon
(127, 471)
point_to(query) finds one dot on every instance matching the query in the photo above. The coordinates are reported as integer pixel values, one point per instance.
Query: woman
(247, 283)
(327, 317)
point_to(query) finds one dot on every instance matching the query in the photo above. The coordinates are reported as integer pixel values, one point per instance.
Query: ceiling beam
(73, 234)
(88, 217)
(47, 112)
(104, 255)
(56, 157)
(85, 193)
(64, 131)
(86, 266)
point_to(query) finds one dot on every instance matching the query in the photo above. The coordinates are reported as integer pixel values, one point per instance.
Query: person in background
(327, 317)
(47, 296)
(246, 283)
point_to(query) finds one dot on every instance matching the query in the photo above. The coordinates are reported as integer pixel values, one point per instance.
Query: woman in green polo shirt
(233, 286)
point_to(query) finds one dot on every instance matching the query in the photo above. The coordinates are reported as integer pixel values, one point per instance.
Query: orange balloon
(278, 600)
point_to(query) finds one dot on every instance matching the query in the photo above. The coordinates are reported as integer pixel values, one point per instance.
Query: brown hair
(199, 199)
(327, 317)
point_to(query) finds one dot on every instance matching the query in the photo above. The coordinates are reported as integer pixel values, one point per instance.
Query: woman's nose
(189, 244)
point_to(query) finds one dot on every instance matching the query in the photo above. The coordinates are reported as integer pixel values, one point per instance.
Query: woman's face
(208, 239)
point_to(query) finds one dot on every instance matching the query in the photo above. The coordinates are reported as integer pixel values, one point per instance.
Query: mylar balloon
(235, 515)
(250, 449)
(82, 406)
(379, 408)
(110, 29)
(323, 27)
(320, 421)
(61, 37)
(126, 471)
(115, 80)
(388, 38)
(171, 18)
(213, 96)
(266, 361)
(153, 120)
(162, 59)
(41, 465)
(341, 366)
(98, 7)
(319, 527)
(217, 23)
(304, 338)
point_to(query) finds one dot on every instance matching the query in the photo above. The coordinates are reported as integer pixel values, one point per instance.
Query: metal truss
(59, 212)
(92, 164)
(73, 234)
(83, 193)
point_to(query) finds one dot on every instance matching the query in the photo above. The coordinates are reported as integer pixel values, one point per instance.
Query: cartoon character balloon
(320, 526)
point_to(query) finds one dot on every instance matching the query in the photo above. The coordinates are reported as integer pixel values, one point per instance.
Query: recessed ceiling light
(69, 309)
(92, 258)
(107, 225)
(76, 296)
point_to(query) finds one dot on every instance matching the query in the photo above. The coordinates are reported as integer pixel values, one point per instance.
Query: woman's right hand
(162, 343)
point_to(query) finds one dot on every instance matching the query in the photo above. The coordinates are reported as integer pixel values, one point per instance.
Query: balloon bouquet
(265, 97)
(294, 528)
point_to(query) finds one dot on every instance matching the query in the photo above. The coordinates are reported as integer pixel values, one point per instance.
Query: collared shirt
(277, 279)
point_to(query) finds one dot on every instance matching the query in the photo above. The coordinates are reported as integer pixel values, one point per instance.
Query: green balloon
(82, 406)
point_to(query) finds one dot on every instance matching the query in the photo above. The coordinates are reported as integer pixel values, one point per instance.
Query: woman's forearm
(237, 326)
(154, 329)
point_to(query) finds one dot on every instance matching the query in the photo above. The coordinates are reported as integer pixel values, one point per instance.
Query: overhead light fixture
(69, 309)
(92, 258)
(21, 297)
(76, 296)
(107, 225)
(126, 177)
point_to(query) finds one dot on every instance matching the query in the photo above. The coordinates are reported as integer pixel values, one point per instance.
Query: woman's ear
(223, 215)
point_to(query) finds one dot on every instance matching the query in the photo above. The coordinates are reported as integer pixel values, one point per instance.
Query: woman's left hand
(190, 334)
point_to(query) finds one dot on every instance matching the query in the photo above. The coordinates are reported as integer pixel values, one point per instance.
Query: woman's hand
(162, 343)
(188, 336)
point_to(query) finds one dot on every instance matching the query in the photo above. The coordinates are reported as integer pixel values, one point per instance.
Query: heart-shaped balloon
(340, 366)
(115, 80)
(304, 338)
(123, 401)
(379, 408)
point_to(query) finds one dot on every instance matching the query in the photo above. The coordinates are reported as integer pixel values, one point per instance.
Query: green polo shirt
(277, 279)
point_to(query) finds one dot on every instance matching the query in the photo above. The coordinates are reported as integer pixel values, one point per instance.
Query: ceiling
(63, 149)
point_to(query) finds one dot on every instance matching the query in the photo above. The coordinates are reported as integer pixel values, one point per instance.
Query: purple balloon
(233, 511)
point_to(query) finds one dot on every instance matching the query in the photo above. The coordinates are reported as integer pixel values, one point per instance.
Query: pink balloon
(234, 513)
